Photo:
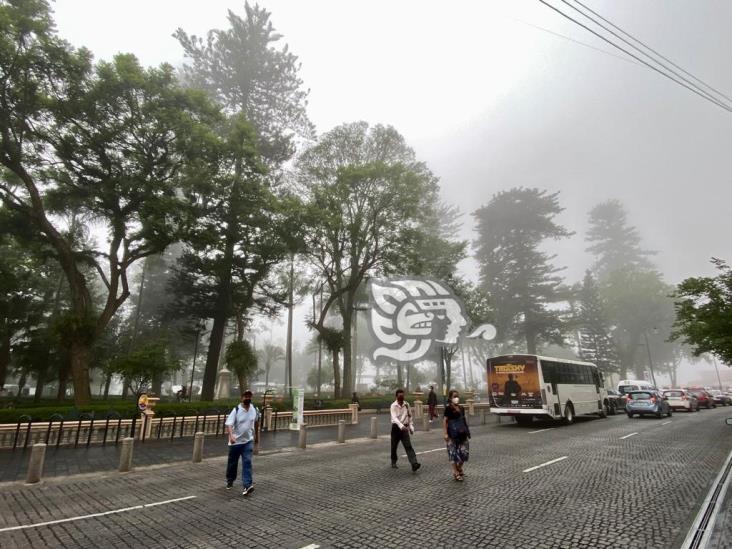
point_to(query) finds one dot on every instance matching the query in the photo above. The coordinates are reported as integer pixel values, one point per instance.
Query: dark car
(704, 399)
(617, 401)
(645, 403)
(719, 397)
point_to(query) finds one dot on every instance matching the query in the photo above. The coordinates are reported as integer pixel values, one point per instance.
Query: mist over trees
(149, 215)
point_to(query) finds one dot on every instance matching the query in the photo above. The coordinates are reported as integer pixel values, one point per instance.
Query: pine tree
(595, 342)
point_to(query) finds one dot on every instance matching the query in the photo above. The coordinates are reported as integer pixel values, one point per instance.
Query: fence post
(35, 463)
(303, 436)
(374, 427)
(354, 413)
(198, 447)
(482, 419)
(425, 422)
(471, 407)
(125, 457)
(341, 430)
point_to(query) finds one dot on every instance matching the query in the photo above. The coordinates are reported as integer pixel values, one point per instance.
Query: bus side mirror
(728, 421)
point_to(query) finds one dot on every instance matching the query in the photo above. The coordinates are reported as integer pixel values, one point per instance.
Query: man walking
(242, 428)
(401, 427)
(432, 403)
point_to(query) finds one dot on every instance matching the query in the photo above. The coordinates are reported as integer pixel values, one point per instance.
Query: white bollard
(341, 430)
(374, 428)
(303, 437)
(35, 463)
(198, 447)
(125, 457)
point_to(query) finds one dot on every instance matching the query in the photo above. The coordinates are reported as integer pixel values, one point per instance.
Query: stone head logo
(409, 316)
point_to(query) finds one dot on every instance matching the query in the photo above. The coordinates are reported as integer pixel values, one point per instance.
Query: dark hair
(399, 391)
(246, 393)
(452, 392)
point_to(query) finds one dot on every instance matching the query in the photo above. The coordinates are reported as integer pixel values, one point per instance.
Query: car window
(625, 389)
(673, 393)
(640, 395)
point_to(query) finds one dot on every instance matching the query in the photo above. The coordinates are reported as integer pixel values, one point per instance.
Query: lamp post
(719, 379)
(650, 360)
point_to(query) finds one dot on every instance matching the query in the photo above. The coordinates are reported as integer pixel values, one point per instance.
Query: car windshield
(715, 392)
(640, 396)
(625, 389)
(674, 394)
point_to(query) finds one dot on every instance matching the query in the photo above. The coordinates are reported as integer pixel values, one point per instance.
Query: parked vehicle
(704, 398)
(679, 399)
(617, 401)
(647, 403)
(719, 397)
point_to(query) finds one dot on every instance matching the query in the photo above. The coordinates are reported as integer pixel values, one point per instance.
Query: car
(704, 398)
(719, 397)
(679, 399)
(617, 401)
(649, 402)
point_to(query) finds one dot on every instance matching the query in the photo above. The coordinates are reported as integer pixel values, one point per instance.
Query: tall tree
(517, 275)
(365, 191)
(595, 336)
(614, 243)
(112, 141)
(704, 313)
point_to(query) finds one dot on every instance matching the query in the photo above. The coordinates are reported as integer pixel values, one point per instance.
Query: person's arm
(230, 427)
(394, 418)
(444, 425)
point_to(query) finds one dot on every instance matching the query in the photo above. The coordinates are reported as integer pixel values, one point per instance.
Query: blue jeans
(245, 451)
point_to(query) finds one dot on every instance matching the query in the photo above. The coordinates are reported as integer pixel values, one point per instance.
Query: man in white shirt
(242, 428)
(401, 427)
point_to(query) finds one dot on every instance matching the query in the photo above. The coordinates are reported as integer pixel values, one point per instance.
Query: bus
(529, 386)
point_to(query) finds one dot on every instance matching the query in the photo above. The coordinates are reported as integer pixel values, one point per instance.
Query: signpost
(298, 405)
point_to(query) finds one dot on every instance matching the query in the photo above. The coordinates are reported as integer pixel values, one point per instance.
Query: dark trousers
(433, 413)
(398, 435)
(243, 451)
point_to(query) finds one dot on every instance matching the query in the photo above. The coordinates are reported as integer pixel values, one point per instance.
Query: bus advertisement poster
(513, 381)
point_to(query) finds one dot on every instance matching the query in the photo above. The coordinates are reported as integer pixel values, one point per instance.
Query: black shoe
(416, 466)
(247, 491)
(394, 466)
(229, 484)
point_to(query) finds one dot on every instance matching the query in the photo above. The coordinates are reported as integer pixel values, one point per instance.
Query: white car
(679, 399)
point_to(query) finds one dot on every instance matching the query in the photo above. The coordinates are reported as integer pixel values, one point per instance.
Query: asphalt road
(612, 482)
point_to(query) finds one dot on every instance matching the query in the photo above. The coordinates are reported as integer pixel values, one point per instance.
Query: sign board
(298, 405)
(142, 402)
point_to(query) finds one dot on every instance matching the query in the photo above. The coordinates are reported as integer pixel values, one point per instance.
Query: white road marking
(541, 430)
(311, 546)
(666, 423)
(545, 464)
(93, 515)
(425, 452)
(628, 436)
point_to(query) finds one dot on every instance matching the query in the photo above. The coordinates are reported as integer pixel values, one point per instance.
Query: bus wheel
(568, 414)
(524, 420)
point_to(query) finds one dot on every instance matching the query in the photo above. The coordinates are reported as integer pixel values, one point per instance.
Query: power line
(712, 98)
(693, 90)
(656, 52)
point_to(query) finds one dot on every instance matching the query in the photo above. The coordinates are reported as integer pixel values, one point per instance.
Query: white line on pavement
(93, 515)
(545, 464)
(628, 436)
(425, 452)
(666, 422)
(541, 430)
(311, 546)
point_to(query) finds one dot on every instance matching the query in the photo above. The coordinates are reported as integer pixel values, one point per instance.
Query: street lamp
(650, 360)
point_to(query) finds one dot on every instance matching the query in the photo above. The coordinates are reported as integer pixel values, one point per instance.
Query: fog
(490, 102)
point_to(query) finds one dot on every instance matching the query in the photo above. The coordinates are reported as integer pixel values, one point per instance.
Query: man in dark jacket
(432, 403)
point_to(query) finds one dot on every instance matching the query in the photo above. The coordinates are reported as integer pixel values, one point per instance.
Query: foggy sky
(491, 103)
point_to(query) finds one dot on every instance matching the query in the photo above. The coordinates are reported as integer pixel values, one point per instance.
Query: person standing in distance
(456, 434)
(432, 403)
(242, 427)
(401, 427)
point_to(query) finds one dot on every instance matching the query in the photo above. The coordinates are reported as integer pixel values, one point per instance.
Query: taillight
(653, 400)
(683, 397)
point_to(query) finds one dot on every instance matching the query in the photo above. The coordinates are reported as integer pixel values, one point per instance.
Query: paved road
(639, 491)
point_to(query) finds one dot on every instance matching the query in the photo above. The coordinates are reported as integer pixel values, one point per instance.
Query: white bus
(529, 386)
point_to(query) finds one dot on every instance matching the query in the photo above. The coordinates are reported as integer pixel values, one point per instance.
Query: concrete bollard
(341, 431)
(35, 463)
(198, 447)
(426, 425)
(482, 417)
(303, 437)
(374, 428)
(471, 407)
(125, 457)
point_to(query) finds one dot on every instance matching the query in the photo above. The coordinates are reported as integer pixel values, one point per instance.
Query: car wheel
(611, 409)
(658, 415)
(630, 416)
(669, 413)
(569, 414)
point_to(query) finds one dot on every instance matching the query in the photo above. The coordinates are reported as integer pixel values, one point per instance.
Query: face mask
(246, 401)
(400, 399)
(455, 400)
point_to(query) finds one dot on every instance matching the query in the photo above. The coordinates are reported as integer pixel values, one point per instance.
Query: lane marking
(93, 515)
(311, 546)
(425, 452)
(541, 430)
(628, 436)
(665, 423)
(544, 464)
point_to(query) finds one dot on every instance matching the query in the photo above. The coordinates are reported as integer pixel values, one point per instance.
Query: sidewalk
(65, 461)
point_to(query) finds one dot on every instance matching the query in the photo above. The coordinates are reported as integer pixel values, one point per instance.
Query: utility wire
(708, 86)
(693, 90)
(666, 67)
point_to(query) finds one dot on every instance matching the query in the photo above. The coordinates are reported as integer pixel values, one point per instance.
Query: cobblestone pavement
(71, 461)
(640, 491)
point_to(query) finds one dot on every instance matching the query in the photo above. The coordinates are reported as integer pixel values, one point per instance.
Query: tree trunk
(107, 383)
(347, 349)
(212, 357)
(448, 369)
(242, 383)
(400, 377)
(40, 383)
(80, 357)
(157, 385)
(21, 384)
(409, 371)
(4, 357)
(336, 375)
(63, 378)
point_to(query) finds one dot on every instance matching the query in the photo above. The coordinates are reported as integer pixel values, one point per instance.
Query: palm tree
(270, 354)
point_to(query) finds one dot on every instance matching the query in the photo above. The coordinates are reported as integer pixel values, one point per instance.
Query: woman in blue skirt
(457, 434)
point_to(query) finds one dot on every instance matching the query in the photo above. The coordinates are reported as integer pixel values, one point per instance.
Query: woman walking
(457, 434)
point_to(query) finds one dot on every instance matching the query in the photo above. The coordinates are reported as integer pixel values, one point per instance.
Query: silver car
(647, 403)
(679, 399)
